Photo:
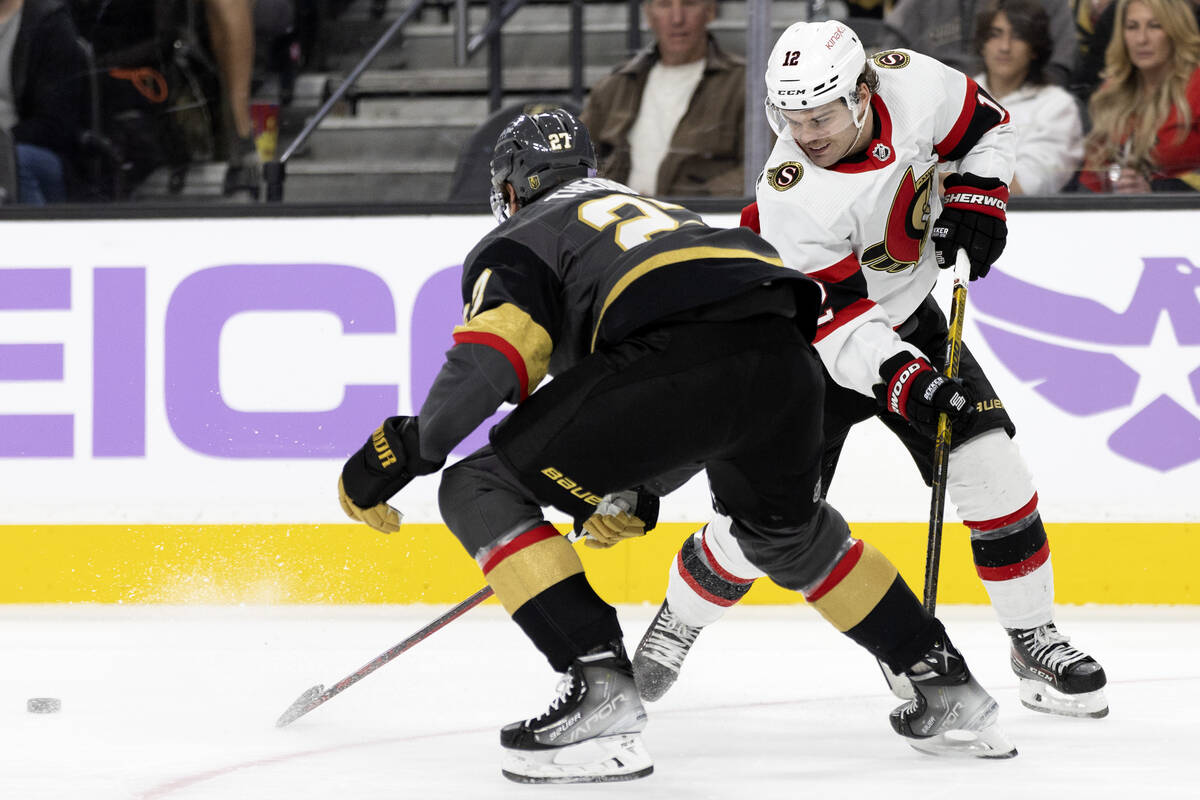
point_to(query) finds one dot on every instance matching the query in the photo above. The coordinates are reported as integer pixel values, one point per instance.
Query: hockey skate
(1054, 676)
(659, 656)
(591, 733)
(950, 713)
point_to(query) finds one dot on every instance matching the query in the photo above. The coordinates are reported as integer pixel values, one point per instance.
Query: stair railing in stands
(499, 12)
(275, 172)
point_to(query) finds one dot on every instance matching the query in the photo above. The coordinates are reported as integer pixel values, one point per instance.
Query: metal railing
(499, 12)
(758, 35)
(275, 172)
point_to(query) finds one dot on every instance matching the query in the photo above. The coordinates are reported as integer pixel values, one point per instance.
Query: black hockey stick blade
(304, 704)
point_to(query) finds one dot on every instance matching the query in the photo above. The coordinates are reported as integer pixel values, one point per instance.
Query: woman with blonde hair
(1145, 126)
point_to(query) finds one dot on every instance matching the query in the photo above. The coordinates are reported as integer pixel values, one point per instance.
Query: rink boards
(177, 396)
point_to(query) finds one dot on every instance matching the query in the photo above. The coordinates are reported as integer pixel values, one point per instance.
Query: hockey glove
(622, 515)
(973, 217)
(913, 389)
(389, 460)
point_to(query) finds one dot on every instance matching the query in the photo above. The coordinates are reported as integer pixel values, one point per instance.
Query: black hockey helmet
(535, 153)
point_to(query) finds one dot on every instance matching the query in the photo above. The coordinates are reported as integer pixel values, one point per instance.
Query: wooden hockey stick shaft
(941, 443)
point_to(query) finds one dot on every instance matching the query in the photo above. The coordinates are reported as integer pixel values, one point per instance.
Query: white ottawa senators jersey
(862, 225)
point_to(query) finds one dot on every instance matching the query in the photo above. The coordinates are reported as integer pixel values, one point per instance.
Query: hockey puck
(43, 705)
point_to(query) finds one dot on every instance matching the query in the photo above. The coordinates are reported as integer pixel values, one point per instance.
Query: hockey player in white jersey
(848, 195)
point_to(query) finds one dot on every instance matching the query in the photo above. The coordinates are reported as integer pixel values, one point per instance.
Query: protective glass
(822, 122)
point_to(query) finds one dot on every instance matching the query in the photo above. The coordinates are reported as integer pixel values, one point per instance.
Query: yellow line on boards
(1109, 563)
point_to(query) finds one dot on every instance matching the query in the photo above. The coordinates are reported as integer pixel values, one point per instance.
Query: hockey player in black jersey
(673, 345)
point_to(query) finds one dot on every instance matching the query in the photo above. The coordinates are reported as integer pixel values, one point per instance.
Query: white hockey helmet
(813, 63)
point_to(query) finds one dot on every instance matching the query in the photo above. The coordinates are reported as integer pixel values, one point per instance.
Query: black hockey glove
(972, 217)
(621, 515)
(389, 460)
(913, 389)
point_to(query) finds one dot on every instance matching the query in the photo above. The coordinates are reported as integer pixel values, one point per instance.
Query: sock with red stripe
(539, 579)
(864, 597)
(700, 587)
(1013, 561)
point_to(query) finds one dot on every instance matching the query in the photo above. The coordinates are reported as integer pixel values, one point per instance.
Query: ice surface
(180, 703)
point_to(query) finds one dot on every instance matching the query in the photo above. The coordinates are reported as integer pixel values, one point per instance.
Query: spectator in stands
(1095, 32)
(943, 29)
(1085, 76)
(42, 103)
(1145, 126)
(669, 121)
(1013, 39)
(231, 33)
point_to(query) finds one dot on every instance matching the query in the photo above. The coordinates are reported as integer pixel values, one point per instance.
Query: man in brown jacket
(669, 121)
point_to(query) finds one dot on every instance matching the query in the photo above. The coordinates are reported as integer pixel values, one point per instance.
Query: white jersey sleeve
(971, 128)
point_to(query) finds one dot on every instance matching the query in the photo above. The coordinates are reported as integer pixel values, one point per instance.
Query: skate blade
(1039, 696)
(990, 742)
(621, 757)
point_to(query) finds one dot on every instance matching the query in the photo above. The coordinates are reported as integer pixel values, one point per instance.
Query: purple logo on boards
(437, 310)
(1090, 359)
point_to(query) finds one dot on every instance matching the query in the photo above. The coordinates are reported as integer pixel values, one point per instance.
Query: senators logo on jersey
(785, 176)
(891, 59)
(907, 224)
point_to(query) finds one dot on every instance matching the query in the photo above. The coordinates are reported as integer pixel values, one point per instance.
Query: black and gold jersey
(593, 262)
(582, 269)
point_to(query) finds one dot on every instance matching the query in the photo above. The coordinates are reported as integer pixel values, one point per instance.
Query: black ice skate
(950, 713)
(1054, 676)
(659, 656)
(591, 732)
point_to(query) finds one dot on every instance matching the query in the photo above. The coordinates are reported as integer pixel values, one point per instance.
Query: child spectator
(1013, 39)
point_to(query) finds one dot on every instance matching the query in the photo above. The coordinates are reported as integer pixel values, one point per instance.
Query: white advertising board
(193, 371)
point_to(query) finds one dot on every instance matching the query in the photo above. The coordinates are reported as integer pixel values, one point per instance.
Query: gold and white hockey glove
(616, 518)
(381, 517)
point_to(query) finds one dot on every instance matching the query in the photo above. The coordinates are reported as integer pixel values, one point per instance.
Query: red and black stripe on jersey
(845, 295)
(843, 285)
(980, 113)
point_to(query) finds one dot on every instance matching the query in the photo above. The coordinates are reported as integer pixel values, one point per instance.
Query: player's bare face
(680, 28)
(826, 134)
(1148, 44)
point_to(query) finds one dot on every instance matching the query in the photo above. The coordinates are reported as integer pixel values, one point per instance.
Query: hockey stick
(900, 684)
(319, 694)
(941, 443)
